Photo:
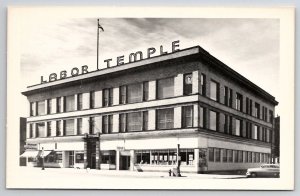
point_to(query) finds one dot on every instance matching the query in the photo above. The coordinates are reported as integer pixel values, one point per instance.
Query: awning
(46, 153)
(30, 153)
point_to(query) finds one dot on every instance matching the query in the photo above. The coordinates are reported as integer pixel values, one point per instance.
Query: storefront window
(211, 155)
(108, 157)
(229, 156)
(79, 157)
(218, 154)
(143, 157)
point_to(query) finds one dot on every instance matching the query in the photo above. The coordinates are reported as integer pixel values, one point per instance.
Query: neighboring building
(22, 140)
(276, 141)
(132, 116)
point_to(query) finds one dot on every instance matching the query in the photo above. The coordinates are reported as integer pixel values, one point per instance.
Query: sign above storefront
(120, 60)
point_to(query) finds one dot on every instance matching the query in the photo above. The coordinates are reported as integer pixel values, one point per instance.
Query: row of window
(138, 92)
(228, 97)
(236, 156)
(164, 119)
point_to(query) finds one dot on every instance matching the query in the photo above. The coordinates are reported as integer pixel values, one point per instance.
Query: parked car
(265, 170)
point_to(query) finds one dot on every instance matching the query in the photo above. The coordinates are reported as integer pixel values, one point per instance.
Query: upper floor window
(107, 121)
(79, 101)
(165, 88)
(187, 84)
(187, 116)
(165, 118)
(49, 128)
(123, 94)
(107, 97)
(122, 121)
(58, 128)
(32, 109)
(134, 93)
(145, 120)
(270, 116)
(145, 91)
(214, 90)
(30, 130)
(238, 127)
(92, 99)
(257, 110)
(58, 104)
(239, 102)
(49, 106)
(213, 120)
(203, 84)
(248, 130)
(92, 125)
(227, 96)
(69, 127)
(202, 117)
(248, 106)
(79, 126)
(40, 129)
(254, 132)
(69, 102)
(40, 107)
(134, 121)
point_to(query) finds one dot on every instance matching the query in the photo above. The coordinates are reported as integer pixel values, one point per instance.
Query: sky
(249, 46)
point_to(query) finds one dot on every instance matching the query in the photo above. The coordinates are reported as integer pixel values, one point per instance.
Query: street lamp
(43, 159)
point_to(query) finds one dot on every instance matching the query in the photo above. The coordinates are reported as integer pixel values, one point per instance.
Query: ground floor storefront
(194, 155)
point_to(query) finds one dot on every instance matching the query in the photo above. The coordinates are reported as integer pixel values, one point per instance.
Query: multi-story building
(133, 116)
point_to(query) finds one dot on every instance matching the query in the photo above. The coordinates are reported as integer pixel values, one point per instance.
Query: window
(92, 99)
(123, 95)
(92, 125)
(229, 156)
(225, 125)
(218, 155)
(249, 157)
(224, 155)
(240, 154)
(257, 110)
(134, 121)
(30, 131)
(235, 156)
(69, 102)
(49, 129)
(69, 127)
(107, 124)
(203, 85)
(58, 104)
(213, 120)
(165, 88)
(134, 93)
(49, 105)
(145, 120)
(214, 90)
(248, 130)
(254, 132)
(165, 118)
(187, 84)
(142, 157)
(122, 123)
(32, 109)
(246, 156)
(145, 91)
(58, 128)
(264, 113)
(238, 127)
(79, 101)
(202, 116)
(40, 129)
(79, 157)
(108, 157)
(268, 136)
(258, 157)
(270, 116)
(211, 154)
(227, 96)
(40, 107)
(79, 126)
(107, 97)
(253, 157)
(239, 102)
(187, 116)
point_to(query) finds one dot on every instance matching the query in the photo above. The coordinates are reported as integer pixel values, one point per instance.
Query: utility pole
(98, 45)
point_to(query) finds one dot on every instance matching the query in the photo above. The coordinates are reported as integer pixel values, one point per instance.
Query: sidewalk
(126, 173)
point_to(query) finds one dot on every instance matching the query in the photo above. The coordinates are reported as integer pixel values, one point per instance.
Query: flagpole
(98, 45)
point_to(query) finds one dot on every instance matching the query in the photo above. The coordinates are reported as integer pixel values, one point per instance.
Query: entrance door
(93, 161)
(124, 162)
(71, 159)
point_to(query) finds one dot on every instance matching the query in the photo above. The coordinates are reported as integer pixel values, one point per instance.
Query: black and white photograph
(150, 98)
